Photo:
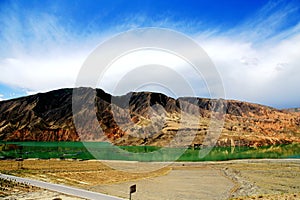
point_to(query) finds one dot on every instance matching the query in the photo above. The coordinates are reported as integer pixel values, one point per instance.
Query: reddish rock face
(143, 118)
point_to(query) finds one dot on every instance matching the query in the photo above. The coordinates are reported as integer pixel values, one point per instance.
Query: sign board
(132, 189)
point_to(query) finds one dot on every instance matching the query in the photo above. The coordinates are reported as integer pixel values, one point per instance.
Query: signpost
(132, 190)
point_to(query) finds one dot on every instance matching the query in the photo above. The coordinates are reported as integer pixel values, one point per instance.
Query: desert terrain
(239, 179)
(144, 119)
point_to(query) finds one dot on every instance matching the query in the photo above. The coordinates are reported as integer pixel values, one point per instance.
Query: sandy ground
(178, 184)
(294, 196)
(241, 179)
(264, 179)
(40, 195)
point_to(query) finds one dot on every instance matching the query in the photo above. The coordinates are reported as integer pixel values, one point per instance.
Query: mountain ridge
(143, 118)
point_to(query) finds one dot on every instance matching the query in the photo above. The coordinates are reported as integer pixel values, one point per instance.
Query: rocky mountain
(292, 110)
(144, 118)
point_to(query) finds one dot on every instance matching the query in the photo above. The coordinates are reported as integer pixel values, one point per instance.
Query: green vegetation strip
(106, 151)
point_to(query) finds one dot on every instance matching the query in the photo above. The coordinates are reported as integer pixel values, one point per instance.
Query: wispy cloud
(274, 21)
(40, 51)
(258, 59)
(43, 51)
(1, 97)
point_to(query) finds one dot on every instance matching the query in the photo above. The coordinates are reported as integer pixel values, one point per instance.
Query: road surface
(61, 188)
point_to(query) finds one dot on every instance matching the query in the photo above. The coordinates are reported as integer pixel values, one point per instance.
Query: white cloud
(269, 74)
(1, 97)
(151, 69)
(38, 73)
(257, 60)
(40, 53)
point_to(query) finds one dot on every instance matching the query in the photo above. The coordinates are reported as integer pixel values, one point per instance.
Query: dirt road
(178, 184)
(238, 179)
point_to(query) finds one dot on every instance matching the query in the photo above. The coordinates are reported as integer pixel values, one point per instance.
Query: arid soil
(203, 183)
(39, 195)
(12, 190)
(74, 173)
(144, 118)
(240, 179)
(272, 197)
(264, 179)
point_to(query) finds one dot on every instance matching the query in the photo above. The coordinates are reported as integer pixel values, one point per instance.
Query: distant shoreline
(106, 151)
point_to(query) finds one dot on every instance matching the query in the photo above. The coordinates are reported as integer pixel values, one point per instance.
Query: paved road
(61, 188)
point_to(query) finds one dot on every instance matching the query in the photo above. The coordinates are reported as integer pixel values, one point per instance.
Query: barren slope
(143, 118)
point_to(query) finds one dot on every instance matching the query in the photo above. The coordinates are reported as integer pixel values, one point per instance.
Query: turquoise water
(106, 151)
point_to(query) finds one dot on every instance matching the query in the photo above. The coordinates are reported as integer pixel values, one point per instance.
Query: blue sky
(254, 44)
